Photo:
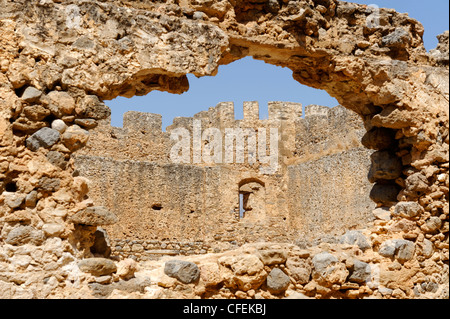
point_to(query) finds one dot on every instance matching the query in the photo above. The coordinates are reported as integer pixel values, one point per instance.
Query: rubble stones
(408, 209)
(75, 138)
(97, 266)
(354, 237)
(328, 270)
(184, 271)
(361, 272)
(25, 234)
(31, 94)
(45, 137)
(277, 281)
(94, 216)
(401, 249)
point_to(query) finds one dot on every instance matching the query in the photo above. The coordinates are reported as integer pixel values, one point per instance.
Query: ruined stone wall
(156, 199)
(60, 60)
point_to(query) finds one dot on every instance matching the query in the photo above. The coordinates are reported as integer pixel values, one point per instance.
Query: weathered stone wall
(329, 196)
(326, 193)
(60, 60)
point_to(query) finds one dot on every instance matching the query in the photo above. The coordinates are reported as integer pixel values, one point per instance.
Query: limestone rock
(13, 200)
(400, 37)
(360, 272)
(47, 184)
(243, 272)
(36, 112)
(382, 213)
(94, 216)
(53, 229)
(355, 237)
(402, 250)
(75, 138)
(59, 125)
(272, 256)
(185, 271)
(97, 266)
(126, 268)
(45, 137)
(210, 274)
(408, 209)
(299, 269)
(25, 234)
(60, 103)
(432, 224)
(57, 159)
(91, 107)
(277, 281)
(31, 94)
(328, 270)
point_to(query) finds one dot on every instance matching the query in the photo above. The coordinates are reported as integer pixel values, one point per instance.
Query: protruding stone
(277, 281)
(432, 224)
(382, 213)
(31, 199)
(185, 271)
(60, 103)
(399, 38)
(94, 216)
(45, 137)
(407, 209)
(25, 234)
(97, 266)
(75, 138)
(86, 123)
(53, 229)
(126, 268)
(328, 270)
(31, 94)
(360, 272)
(91, 107)
(59, 125)
(354, 237)
(13, 200)
(272, 256)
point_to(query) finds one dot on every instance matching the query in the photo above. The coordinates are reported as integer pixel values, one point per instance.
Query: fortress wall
(326, 131)
(328, 196)
(156, 199)
(173, 201)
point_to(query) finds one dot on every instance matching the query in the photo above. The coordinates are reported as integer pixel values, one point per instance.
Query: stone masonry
(321, 186)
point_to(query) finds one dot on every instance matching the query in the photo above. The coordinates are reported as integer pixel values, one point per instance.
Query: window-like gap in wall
(244, 80)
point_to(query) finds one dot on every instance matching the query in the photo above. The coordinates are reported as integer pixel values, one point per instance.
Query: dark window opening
(156, 206)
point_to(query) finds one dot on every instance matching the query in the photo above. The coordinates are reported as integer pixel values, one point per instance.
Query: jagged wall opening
(243, 80)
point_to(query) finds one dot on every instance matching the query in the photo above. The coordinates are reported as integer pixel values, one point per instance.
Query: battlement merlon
(251, 111)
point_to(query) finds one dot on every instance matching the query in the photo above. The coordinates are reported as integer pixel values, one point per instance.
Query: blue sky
(252, 80)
